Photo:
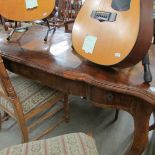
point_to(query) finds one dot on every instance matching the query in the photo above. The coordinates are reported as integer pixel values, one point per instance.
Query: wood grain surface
(57, 65)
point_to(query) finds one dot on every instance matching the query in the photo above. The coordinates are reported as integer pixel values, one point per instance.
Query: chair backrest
(20, 10)
(6, 89)
(68, 9)
(7, 92)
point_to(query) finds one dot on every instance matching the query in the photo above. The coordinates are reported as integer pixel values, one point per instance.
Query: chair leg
(0, 121)
(3, 23)
(23, 127)
(116, 115)
(21, 120)
(5, 117)
(49, 29)
(66, 27)
(14, 29)
(66, 108)
(24, 130)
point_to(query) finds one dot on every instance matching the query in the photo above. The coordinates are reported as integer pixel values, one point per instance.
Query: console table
(55, 64)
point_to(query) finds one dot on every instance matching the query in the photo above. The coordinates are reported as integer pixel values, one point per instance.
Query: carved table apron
(55, 64)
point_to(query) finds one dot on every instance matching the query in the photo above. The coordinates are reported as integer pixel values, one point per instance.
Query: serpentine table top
(56, 64)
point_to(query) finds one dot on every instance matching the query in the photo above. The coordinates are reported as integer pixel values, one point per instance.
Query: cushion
(69, 144)
(30, 93)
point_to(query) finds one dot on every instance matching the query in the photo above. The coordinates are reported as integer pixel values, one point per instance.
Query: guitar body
(16, 10)
(123, 35)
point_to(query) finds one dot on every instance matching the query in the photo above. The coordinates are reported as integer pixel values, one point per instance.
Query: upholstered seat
(30, 93)
(69, 144)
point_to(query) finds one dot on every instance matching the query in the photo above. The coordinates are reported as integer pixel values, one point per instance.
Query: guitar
(114, 32)
(17, 10)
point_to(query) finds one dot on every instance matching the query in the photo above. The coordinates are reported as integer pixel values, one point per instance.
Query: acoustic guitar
(19, 10)
(114, 32)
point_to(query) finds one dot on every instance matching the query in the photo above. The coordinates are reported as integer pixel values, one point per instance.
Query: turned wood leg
(5, 117)
(23, 128)
(141, 129)
(66, 108)
(24, 132)
(21, 120)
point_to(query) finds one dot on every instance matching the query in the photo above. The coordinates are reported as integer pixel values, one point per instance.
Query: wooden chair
(3, 23)
(64, 14)
(69, 144)
(23, 99)
(68, 10)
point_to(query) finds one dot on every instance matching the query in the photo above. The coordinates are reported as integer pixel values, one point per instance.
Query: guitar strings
(102, 6)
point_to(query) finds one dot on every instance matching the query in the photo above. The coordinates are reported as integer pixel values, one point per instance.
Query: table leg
(139, 109)
(116, 115)
(141, 128)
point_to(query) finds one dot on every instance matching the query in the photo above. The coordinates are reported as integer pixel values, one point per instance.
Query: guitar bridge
(104, 16)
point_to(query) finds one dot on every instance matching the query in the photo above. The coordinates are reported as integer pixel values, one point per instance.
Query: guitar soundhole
(121, 5)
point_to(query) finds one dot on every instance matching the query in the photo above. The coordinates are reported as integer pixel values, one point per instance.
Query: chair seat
(30, 93)
(69, 144)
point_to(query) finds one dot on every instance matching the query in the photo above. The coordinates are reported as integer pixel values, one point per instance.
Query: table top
(58, 58)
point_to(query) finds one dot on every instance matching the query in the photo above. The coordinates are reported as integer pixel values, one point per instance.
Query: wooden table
(55, 64)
